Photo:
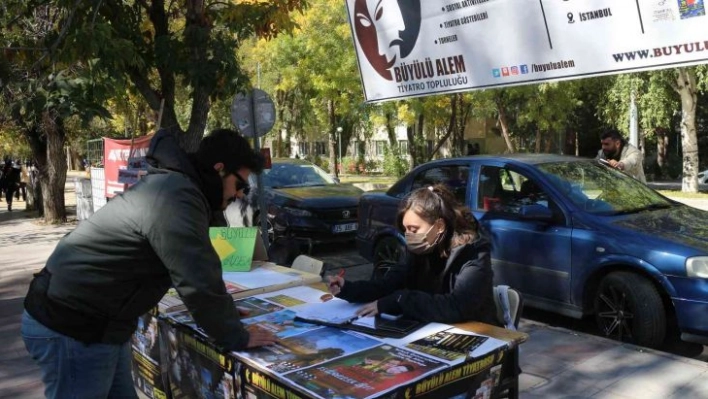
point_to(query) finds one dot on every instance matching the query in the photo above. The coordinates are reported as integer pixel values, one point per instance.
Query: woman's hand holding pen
(336, 283)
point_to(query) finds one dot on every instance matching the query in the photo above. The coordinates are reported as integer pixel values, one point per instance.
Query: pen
(340, 274)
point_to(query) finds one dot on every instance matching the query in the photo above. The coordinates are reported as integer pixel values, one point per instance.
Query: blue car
(574, 236)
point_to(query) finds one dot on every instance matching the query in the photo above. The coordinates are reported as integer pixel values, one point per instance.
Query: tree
(41, 90)
(158, 46)
(687, 86)
(314, 74)
(656, 95)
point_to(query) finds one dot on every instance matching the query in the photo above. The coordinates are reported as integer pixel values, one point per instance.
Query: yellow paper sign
(235, 246)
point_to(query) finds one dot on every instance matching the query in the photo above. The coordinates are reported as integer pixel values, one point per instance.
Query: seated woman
(448, 275)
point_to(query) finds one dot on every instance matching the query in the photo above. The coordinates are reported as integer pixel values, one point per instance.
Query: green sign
(235, 246)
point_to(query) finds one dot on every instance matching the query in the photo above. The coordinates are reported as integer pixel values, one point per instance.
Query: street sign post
(253, 114)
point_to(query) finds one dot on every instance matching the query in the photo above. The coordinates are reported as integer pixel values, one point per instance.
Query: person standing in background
(620, 154)
(11, 180)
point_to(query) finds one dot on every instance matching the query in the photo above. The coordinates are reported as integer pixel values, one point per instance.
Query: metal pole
(633, 122)
(259, 177)
(339, 133)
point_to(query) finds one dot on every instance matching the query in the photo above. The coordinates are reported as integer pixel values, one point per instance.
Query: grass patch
(681, 194)
(367, 179)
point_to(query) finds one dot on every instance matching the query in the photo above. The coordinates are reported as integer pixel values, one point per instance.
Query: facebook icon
(524, 69)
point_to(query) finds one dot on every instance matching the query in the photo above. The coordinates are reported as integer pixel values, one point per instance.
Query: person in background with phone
(447, 276)
(616, 152)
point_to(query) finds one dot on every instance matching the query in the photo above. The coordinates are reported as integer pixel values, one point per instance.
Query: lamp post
(339, 140)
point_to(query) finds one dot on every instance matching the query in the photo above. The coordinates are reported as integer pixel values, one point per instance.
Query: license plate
(343, 228)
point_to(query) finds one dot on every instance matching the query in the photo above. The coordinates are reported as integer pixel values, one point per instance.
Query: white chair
(510, 305)
(308, 264)
(508, 300)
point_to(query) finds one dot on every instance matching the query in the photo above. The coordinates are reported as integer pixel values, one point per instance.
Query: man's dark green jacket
(116, 265)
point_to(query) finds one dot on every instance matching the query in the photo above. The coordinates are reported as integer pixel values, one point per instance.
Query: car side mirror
(336, 179)
(535, 212)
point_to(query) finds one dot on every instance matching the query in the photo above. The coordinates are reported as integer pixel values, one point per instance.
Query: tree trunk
(391, 131)
(504, 127)
(53, 184)
(687, 89)
(34, 192)
(332, 138)
(458, 146)
(76, 160)
(549, 143)
(450, 126)
(539, 137)
(662, 146)
(38, 145)
(420, 138)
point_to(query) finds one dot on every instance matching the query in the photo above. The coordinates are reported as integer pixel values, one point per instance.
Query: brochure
(364, 374)
(281, 323)
(335, 311)
(309, 348)
(254, 306)
(448, 345)
(294, 296)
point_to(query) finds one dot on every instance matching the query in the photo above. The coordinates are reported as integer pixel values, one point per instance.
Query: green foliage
(394, 163)
(352, 165)
(372, 166)
(321, 161)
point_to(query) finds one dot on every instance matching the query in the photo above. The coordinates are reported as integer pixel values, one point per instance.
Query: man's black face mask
(242, 184)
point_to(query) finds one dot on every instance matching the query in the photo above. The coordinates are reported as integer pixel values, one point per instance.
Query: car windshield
(602, 190)
(283, 175)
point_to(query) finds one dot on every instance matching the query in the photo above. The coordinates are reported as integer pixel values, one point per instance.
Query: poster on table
(477, 378)
(124, 162)
(195, 368)
(146, 347)
(409, 48)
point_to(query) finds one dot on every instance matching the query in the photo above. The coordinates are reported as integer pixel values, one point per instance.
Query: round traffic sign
(256, 104)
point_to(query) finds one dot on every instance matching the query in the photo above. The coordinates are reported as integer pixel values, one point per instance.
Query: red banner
(116, 154)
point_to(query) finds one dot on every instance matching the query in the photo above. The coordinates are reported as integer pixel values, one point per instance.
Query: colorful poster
(448, 345)
(116, 154)
(474, 379)
(281, 323)
(310, 348)
(148, 374)
(409, 48)
(195, 369)
(248, 307)
(365, 374)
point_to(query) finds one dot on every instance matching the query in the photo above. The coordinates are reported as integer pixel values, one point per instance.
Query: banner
(116, 154)
(409, 48)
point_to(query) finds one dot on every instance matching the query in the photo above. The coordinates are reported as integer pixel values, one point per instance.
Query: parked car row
(575, 237)
(304, 203)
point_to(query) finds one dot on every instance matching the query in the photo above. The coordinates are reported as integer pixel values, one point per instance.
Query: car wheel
(388, 252)
(629, 308)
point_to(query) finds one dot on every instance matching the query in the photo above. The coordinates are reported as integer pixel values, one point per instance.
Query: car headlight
(297, 212)
(697, 267)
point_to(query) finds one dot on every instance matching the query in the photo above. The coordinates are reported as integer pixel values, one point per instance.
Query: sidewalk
(557, 363)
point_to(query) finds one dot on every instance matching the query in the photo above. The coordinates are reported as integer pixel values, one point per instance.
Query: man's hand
(260, 337)
(370, 309)
(615, 164)
(243, 311)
